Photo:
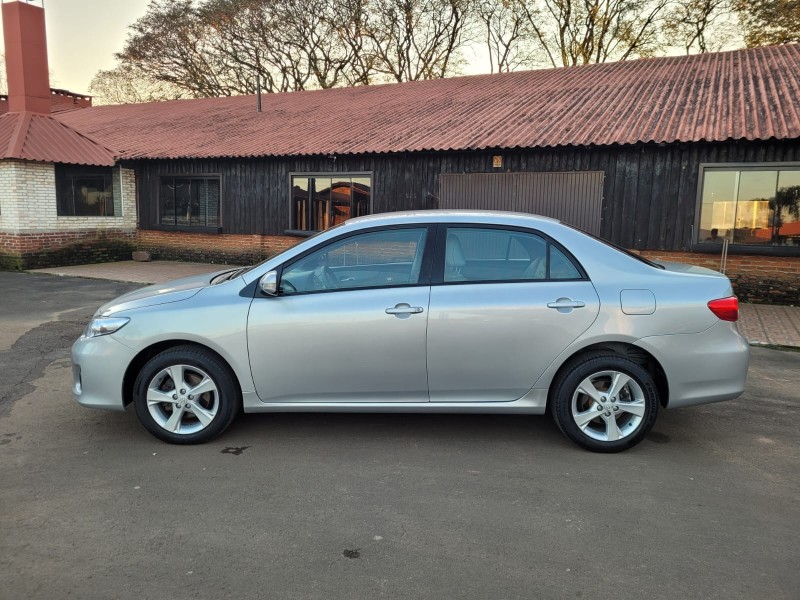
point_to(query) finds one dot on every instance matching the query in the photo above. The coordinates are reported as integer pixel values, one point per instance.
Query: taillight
(726, 309)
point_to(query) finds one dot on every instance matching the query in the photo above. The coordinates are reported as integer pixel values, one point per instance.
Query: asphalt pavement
(381, 506)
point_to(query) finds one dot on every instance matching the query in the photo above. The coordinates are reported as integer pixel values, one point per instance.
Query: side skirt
(532, 403)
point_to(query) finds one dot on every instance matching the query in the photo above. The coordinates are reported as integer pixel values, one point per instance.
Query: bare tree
(417, 39)
(351, 21)
(507, 34)
(579, 32)
(695, 24)
(291, 44)
(220, 47)
(124, 84)
(171, 44)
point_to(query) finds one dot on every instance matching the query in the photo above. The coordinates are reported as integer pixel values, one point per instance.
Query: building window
(189, 201)
(84, 191)
(753, 206)
(321, 201)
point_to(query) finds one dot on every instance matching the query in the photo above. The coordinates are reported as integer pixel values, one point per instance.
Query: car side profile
(433, 311)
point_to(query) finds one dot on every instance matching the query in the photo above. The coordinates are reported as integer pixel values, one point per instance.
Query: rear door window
(474, 254)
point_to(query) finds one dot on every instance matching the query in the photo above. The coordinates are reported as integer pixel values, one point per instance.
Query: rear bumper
(704, 367)
(98, 368)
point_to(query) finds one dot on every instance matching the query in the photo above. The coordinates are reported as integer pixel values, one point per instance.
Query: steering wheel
(325, 279)
(287, 285)
(331, 279)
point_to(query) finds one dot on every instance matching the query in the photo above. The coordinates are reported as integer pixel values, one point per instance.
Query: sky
(83, 35)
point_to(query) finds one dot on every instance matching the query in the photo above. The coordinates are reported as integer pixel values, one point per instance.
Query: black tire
(225, 401)
(630, 429)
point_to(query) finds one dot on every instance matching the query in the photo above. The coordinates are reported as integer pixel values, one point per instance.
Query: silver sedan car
(435, 311)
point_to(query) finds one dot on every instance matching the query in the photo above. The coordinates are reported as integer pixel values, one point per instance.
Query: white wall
(28, 200)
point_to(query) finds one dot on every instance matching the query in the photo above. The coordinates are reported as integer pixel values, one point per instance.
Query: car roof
(492, 217)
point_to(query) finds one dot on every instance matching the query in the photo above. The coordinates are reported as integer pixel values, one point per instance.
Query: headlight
(104, 326)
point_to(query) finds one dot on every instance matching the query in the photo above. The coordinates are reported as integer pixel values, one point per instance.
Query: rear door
(504, 303)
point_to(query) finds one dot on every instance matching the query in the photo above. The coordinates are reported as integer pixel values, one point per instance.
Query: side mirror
(269, 284)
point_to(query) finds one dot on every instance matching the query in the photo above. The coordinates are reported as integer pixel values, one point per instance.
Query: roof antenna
(258, 91)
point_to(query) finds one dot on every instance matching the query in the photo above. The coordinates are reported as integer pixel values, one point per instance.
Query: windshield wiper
(226, 276)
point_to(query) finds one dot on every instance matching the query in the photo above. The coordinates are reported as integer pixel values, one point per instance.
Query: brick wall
(759, 279)
(211, 247)
(47, 249)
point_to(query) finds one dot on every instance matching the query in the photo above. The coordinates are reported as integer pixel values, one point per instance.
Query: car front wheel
(185, 395)
(605, 403)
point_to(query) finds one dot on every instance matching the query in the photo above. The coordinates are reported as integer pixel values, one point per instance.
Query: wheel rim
(182, 399)
(608, 406)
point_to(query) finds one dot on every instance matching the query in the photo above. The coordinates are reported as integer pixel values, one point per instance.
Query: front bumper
(98, 369)
(704, 367)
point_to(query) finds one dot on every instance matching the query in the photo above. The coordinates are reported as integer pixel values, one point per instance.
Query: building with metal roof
(676, 157)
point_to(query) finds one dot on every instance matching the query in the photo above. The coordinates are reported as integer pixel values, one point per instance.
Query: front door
(504, 304)
(349, 324)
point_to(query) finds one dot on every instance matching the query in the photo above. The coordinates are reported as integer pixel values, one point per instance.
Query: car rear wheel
(605, 403)
(185, 395)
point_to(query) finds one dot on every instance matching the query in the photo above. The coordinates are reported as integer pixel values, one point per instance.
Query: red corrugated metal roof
(32, 136)
(747, 94)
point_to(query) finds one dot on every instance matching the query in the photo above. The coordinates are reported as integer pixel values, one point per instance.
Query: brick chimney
(26, 58)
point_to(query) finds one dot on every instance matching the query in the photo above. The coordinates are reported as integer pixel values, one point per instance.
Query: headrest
(454, 254)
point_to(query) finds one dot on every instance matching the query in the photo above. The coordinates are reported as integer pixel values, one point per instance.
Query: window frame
(755, 249)
(90, 171)
(437, 277)
(158, 225)
(424, 273)
(329, 175)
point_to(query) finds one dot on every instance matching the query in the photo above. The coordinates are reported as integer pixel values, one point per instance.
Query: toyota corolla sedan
(435, 311)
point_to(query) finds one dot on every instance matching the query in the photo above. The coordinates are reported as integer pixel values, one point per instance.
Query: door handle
(566, 303)
(404, 309)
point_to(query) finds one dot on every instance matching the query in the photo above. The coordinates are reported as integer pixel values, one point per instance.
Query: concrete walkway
(759, 323)
(768, 324)
(136, 272)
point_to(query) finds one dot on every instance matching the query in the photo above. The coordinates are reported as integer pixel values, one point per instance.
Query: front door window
(388, 258)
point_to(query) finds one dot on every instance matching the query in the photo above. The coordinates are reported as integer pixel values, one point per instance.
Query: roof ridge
(17, 141)
(7, 143)
(81, 134)
(41, 137)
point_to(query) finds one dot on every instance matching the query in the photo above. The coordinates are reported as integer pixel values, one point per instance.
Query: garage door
(575, 197)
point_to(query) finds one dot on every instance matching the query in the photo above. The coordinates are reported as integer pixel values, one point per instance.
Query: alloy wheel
(608, 406)
(182, 399)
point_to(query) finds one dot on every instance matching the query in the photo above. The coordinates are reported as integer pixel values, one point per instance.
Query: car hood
(162, 293)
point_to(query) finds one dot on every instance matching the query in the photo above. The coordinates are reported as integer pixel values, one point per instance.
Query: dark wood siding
(574, 197)
(649, 191)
